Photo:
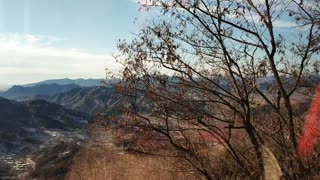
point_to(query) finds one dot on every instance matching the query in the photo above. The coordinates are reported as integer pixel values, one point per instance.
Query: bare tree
(211, 74)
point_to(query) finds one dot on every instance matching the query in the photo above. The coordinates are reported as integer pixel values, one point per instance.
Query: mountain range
(80, 82)
(55, 104)
(33, 116)
(50, 87)
(26, 124)
(36, 114)
(83, 95)
(83, 99)
(40, 89)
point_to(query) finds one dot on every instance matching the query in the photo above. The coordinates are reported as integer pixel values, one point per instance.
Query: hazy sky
(46, 39)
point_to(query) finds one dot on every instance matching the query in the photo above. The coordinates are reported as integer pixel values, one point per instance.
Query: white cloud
(29, 58)
(29, 39)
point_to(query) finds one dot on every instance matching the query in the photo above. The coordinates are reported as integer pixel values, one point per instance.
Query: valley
(29, 123)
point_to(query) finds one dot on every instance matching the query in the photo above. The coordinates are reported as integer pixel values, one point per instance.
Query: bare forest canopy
(217, 51)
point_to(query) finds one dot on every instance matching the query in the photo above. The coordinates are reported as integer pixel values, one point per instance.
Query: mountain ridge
(79, 81)
(83, 99)
(41, 89)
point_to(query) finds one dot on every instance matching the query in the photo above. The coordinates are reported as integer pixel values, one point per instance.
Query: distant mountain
(41, 89)
(84, 99)
(66, 81)
(89, 100)
(23, 125)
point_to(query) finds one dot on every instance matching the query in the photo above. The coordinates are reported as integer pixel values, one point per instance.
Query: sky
(51, 39)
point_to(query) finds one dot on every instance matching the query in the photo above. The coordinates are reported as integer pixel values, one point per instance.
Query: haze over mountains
(41, 89)
(48, 87)
(67, 81)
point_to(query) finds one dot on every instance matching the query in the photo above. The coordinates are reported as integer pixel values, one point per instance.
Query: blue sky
(51, 39)
(45, 39)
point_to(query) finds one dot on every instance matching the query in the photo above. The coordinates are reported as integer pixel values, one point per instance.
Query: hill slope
(84, 99)
(89, 100)
(23, 125)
